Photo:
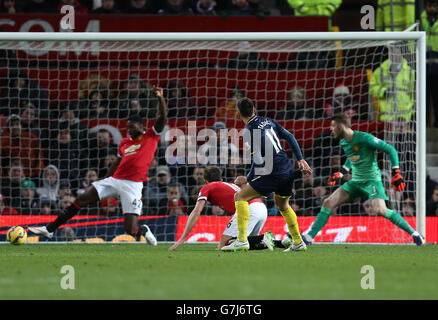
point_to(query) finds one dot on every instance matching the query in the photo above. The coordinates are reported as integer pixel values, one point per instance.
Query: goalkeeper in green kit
(360, 149)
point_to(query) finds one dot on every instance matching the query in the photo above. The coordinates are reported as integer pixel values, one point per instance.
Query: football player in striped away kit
(273, 172)
(124, 178)
(360, 149)
(222, 194)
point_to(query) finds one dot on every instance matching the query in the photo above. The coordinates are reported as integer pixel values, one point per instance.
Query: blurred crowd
(165, 7)
(49, 156)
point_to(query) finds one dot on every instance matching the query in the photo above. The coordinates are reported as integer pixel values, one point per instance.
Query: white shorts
(129, 193)
(257, 218)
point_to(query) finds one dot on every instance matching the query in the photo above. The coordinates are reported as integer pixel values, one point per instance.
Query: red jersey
(137, 155)
(221, 194)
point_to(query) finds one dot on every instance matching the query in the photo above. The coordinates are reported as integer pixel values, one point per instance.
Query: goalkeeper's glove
(336, 176)
(332, 180)
(397, 181)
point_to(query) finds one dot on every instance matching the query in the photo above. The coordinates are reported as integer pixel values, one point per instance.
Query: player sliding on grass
(222, 194)
(360, 149)
(263, 180)
(124, 178)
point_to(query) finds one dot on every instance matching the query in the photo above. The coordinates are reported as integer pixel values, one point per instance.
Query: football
(16, 235)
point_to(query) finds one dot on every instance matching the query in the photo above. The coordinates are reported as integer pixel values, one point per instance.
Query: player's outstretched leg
(241, 199)
(130, 223)
(41, 231)
(290, 216)
(318, 224)
(257, 219)
(285, 243)
(147, 233)
(268, 240)
(89, 196)
(242, 217)
(132, 228)
(337, 198)
(379, 206)
(260, 242)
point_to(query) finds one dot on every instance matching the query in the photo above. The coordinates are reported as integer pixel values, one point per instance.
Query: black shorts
(280, 185)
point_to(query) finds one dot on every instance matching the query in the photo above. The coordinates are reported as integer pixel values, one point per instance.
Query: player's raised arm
(191, 222)
(162, 110)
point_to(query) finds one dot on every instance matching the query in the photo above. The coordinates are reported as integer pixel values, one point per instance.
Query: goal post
(421, 133)
(197, 58)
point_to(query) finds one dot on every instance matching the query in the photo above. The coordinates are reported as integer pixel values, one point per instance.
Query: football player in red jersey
(124, 178)
(221, 194)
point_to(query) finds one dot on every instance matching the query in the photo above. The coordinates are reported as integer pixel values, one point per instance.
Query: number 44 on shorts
(136, 204)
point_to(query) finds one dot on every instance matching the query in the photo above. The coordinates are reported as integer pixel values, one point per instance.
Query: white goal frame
(418, 36)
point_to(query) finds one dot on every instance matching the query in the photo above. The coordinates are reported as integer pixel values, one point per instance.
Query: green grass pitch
(137, 271)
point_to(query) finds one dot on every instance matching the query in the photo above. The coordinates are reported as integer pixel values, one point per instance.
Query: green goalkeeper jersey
(361, 156)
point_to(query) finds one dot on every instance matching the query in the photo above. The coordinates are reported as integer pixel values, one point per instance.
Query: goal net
(66, 99)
